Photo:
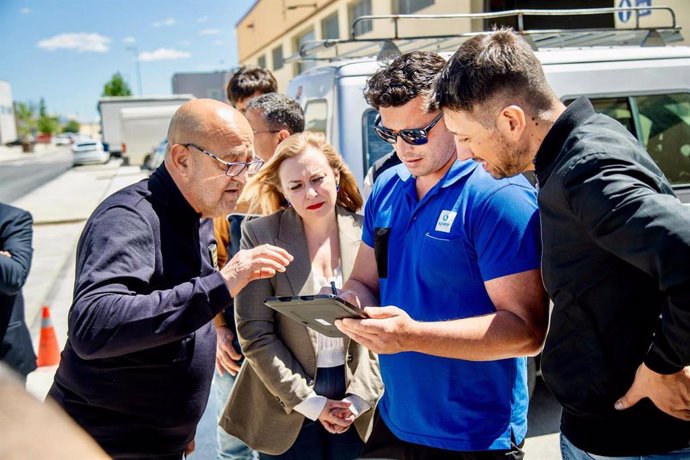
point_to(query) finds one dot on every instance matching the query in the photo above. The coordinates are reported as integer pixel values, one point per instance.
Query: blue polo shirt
(468, 229)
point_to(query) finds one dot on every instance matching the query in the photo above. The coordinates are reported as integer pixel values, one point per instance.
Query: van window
(661, 122)
(374, 146)
(665, 126)
(315, 115)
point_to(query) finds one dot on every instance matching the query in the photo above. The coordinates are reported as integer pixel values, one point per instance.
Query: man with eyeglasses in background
(272, 117)
(136, 370)
(452, 258)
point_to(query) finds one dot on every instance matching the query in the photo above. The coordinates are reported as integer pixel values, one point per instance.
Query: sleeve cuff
(656, 362)
(359, 405)
(218, 294)
(312, 406)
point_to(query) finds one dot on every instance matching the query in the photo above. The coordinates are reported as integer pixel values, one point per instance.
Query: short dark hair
(499, 63)
(405, 78)
(279, 112)
(248, 80)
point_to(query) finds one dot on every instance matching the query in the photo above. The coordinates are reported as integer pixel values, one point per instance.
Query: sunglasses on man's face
(416, 136)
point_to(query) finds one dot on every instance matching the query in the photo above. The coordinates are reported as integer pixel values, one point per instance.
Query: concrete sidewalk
(60, 209)
(40, 150)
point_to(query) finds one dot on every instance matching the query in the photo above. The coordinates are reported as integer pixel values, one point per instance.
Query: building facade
(202, 84)
(273, 30)
(8, 125)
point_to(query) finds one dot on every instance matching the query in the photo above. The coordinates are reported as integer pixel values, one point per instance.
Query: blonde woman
(301, 394)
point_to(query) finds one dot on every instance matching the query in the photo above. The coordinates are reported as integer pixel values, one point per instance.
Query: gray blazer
(280, 353)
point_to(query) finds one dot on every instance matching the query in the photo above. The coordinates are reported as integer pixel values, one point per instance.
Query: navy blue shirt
(468, 229)
(137, 367)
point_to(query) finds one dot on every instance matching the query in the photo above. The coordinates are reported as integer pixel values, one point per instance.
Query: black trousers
(383, 444)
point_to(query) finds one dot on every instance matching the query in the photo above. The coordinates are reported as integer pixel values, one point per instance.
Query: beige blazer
(280, 364)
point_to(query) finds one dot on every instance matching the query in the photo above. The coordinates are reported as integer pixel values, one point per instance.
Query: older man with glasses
(136, 370)
(452, 258)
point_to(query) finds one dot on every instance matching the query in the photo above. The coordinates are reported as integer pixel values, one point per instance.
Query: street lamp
(136, 60)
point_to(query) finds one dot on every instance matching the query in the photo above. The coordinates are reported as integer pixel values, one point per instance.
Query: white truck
(111, 108)
(142, 129)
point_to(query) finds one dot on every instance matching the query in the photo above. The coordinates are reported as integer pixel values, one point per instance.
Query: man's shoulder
(133, 195)
(267, 223)
(481, 184)
(391, 177)
(131, 200)
(384, 163)
(9, 212)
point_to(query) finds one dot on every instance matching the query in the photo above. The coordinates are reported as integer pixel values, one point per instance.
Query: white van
(647, 88)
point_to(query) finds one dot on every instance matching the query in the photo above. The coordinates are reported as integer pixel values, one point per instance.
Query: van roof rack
(385, 47)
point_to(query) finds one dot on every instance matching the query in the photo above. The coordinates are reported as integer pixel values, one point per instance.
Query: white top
(330, 352)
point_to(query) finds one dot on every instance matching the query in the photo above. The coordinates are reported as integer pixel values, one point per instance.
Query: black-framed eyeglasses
(416, 136)
(232, 168)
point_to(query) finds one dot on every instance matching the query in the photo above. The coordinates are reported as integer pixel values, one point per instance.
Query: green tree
(72, 126)
(26, 117)
(117, 86)
(42, 110)
(46, 124)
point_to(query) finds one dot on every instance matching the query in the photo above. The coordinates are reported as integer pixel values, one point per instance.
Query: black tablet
(318, 311)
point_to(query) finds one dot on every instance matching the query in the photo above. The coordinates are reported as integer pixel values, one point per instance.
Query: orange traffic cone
(48, 351)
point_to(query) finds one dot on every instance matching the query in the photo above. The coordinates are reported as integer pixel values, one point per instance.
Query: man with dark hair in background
(452, 257)
(616, 246)
(249, 81)
(272, 117)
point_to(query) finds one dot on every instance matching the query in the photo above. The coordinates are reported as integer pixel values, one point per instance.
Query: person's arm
(227, 358)
(263, 348)
(516, 329)
(15, 244)
(505, 232)
(625, 214)
(362, 287)
(365, 387)
(110, 316)
(221, 231)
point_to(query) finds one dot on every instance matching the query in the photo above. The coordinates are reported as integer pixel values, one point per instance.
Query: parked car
(156, 157)
(89, 152)
(66, 139)
(17, 142)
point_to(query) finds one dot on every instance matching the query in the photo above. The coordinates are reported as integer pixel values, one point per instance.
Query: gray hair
(279, 112)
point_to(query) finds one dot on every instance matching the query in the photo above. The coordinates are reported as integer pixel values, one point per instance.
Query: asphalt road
(21, 176)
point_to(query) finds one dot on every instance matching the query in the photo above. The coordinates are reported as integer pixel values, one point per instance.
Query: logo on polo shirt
(445, 221)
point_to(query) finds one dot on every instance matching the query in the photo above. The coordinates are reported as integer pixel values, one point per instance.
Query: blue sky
(65, 50)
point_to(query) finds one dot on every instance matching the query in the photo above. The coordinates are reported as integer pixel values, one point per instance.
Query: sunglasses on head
(416, 136)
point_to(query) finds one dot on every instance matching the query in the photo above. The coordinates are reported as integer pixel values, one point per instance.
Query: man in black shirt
(616, 245)
(136, 370)
(16, 233)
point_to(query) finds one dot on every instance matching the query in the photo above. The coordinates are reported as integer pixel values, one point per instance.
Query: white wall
(8, 126)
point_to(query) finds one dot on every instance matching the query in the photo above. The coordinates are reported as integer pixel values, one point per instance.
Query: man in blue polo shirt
(453, 258)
